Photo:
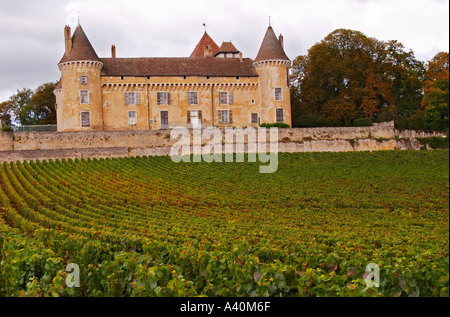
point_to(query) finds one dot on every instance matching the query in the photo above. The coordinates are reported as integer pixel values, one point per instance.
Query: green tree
(43, 104)
(5, 115)
(437, 104)
(14, 105)
(436, 92)
(28, 107)
(407, 74)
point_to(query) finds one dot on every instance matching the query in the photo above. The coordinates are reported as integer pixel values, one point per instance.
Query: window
(226, 98)
(163, 98)
(254, 118)
(279, 115)
(225, 116)
(278, 94)
(85, 119)
(84, 96)
(132, 98)
(193, 98)
(83, 80)
(132, 117)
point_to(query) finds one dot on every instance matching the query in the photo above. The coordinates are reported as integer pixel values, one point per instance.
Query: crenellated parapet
(272, 63)
(179, 86)
(80, 64)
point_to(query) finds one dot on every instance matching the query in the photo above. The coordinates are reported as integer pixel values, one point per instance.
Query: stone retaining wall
(58, 145)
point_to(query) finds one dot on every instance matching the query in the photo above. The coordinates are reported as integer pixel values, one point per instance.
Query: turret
(272, 66)
(79, 99)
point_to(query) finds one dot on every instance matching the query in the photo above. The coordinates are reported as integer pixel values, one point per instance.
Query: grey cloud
(31, 32)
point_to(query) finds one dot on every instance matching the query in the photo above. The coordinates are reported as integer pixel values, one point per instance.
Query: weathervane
(78, 17)
(204, 25)
(269, 20)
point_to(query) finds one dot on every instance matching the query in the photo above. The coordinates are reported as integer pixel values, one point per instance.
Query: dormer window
(83, 80)
(227, 50)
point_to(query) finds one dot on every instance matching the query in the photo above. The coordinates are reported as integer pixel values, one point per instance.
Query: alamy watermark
(372, 277)
(73, 278)
(231, 143)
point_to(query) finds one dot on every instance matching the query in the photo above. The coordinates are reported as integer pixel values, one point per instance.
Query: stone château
(214, 86)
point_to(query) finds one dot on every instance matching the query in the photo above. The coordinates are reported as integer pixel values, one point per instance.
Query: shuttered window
(226, 97)
(163, 98)
(225, 116)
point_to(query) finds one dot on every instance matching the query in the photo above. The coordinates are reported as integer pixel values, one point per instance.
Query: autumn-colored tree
(436, 91)
(437, 68)
(349, 75)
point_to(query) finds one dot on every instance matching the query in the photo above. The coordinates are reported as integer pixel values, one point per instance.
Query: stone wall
(58, 145)
(419, 134)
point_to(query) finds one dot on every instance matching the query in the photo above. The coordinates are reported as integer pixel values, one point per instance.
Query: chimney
(67, 39)
(240, 57)
(280, 39)
(113, 51)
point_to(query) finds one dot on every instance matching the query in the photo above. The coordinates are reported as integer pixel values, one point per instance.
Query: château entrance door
(164, 119)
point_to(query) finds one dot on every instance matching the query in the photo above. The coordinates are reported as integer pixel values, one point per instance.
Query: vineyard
(146, 226)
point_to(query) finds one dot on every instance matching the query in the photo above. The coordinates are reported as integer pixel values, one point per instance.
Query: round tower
(272, 66)
(79, 97)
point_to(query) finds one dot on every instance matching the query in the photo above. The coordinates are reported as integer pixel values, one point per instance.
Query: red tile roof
(206, 40)
(271, 48)
(59, 85)
(178, 66)
(227, 47)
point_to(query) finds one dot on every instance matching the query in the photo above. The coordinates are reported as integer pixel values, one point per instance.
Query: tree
(43, 104)
(349, 75)
(5, 115)
(407, 75)
(12, 107)
(436, 92)
(28, 107)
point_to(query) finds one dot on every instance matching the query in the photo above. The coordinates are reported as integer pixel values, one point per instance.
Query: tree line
(351, 79)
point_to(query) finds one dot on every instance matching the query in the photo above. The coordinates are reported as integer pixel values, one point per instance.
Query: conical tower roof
(271, 48)
(82, 49)
(206, 40)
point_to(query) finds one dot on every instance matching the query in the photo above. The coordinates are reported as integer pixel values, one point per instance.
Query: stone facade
(215, 86)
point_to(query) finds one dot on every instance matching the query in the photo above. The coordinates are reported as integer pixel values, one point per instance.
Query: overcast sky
(32, 41)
